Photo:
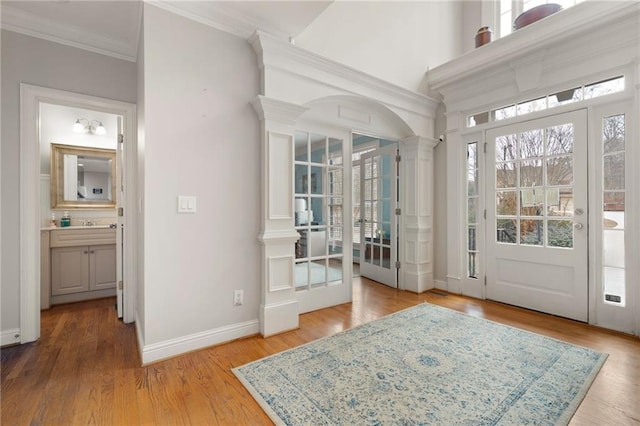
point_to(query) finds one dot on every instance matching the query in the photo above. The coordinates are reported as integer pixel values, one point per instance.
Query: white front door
(378, 220)
(537, 245)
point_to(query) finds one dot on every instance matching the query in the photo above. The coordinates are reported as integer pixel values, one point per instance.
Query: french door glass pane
(560, 170)
(506, 231)
(531, 173)
(613, 197)
(531, 145)
(319, 208)
(560, 139)
(506, 148)
(560, 233)
(531, 232)
(506, 203)
(506, 175)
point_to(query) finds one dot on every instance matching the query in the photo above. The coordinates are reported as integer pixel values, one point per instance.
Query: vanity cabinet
(81, 265)
(82, 268)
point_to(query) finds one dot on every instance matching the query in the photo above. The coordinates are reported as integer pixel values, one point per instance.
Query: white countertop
(63, 228)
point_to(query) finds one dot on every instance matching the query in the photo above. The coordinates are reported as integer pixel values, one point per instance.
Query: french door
(378, 220)
(536, 216)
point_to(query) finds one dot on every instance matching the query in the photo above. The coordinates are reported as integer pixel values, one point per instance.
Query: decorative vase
(535, 14)
(483, 36)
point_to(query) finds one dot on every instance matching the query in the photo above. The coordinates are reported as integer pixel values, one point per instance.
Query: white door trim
(30, 99)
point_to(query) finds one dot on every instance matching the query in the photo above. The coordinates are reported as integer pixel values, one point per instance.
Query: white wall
(200, 139)
(395, 41)
(34, 61)
(56, 123)
(139, 218)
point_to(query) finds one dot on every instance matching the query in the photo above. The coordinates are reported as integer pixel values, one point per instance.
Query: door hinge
(397, 264)
(398, 158)
(485, 280)
(485, 148)
(398, 211)
(485, 213)
(120, 138)
(120, 285)
(120, 211)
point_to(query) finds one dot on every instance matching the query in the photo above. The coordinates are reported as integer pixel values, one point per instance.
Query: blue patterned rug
(424, 365)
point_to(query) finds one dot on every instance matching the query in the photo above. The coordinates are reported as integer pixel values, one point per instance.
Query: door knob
(578, 225)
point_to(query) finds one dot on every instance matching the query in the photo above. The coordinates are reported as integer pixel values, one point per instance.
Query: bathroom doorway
(36, 101)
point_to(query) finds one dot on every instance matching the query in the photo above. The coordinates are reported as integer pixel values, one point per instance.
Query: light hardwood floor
(85, 368)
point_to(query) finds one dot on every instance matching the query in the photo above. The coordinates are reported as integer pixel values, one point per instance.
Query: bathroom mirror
(82, 177)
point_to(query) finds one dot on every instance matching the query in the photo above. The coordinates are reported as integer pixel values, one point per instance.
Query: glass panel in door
(378, 223)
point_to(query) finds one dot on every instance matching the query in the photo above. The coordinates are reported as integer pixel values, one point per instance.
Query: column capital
(418, 141)
(277, 110)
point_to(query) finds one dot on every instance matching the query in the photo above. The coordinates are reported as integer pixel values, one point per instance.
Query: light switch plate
(186, 204)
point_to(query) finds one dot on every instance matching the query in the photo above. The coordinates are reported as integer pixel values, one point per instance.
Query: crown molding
(278, 54)
(28, 24)
(219, 16)
(578, 20)
(277, 110)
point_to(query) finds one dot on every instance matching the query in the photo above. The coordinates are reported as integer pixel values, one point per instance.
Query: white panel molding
(280, 164)
(354, 115)
(279, 317)
(28, 24)
(279, 306)
(10, 337)
(172, 347)
(280, 273)
(280, 237)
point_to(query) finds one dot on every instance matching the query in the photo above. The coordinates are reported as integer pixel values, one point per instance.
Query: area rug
(426, 365)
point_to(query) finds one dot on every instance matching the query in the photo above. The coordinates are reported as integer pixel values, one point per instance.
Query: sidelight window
(613, 209)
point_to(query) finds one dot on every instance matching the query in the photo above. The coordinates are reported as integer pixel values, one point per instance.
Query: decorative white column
(454, 204)
(416, 199)
(279, 306)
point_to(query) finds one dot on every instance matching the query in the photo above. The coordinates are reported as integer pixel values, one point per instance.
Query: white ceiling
(112, 27)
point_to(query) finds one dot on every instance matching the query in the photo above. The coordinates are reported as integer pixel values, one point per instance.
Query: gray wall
(34, 61)
(201, 138)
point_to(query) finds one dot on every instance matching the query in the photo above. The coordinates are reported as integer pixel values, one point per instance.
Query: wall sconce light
(90, 128)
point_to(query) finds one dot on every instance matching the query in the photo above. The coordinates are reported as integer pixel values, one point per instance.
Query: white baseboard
(139, 336)
(441, 285)
(10, 337)
(170, 348)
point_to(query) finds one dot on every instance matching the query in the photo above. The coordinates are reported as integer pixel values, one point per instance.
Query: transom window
(511, 9)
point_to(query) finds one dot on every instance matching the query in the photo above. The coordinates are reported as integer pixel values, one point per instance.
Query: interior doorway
(375, 184)
(32, 100)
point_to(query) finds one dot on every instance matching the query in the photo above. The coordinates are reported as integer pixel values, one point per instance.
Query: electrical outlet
(238, 297)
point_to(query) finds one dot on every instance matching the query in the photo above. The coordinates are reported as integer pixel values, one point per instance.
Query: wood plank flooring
(85, 368)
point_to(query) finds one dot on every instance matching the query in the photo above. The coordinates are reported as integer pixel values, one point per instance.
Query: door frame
(476, 287)
(30, 99)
